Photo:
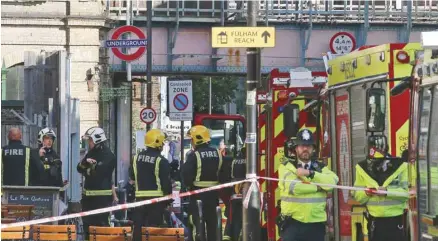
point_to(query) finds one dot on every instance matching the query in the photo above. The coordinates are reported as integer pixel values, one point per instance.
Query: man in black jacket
(19, 167)
(97, 167)
(49, 158)
(150, 173)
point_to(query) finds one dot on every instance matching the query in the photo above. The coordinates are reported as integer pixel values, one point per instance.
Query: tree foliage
(222, 91)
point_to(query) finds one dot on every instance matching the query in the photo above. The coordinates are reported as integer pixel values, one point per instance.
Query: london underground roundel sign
(115, 43)
(342, 43)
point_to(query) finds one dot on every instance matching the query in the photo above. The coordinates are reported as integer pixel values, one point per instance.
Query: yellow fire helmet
(154, 138)
(200, 134)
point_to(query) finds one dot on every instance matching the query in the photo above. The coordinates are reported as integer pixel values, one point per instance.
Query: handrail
(322, 10)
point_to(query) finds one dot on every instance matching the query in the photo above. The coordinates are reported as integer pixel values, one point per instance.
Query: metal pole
(149, 59)
(128, 22)
(182, 143)
(209, 95)
(251, 214)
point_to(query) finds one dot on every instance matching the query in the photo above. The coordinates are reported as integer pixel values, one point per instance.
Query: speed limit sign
(148, 115)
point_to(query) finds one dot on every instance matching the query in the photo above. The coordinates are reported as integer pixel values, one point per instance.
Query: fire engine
(281, 113)
(361, 112)
(289, 93)
(423, 138)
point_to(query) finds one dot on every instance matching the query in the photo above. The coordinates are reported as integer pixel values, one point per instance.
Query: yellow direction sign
(243, 37)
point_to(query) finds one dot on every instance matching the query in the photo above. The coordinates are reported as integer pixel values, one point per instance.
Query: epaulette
(285, 160)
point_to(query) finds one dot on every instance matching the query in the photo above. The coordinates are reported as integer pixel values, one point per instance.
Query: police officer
(150, 173)
(233, 211)
(97, 167)
(202, 169)
(49, 158)
(385, 212)
(303, 215)
(20, 167)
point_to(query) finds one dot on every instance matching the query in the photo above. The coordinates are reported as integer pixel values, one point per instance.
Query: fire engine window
(226, 135)
(423, 160)
(311, 115)
(433, 153)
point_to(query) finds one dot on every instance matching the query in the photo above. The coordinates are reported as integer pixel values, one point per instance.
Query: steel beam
(408, 22)
(171, 40)
(305, 38)
(149, 60)
(366, 24)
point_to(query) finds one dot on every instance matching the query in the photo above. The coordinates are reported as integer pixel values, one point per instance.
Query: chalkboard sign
(43, 199)
(42, 202)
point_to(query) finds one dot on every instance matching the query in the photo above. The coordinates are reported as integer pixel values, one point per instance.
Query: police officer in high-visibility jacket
(385, 212)
(303, 206)
(150, 173)
(19, 166)
(202, 169)
(233, 227)
(97, 167)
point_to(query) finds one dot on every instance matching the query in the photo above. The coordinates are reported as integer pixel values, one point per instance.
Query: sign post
(180, 104)
(243, 37)
(148, 115)
(114, 43)
(179, 99)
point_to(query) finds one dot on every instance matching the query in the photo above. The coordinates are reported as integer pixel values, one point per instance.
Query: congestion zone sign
(139, 43)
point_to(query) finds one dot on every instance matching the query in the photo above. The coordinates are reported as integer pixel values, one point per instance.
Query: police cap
(304, 137)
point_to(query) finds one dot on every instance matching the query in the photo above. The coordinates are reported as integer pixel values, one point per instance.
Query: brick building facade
(73, 26)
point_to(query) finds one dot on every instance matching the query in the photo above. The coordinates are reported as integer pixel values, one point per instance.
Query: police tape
(370, 190)
(254, 185)
(120, 207)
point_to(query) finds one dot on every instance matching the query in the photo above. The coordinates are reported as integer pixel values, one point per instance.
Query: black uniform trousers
(293, 230)
(210, 200)
(95, 202)
(384, 229)
(233, 227)
(150, 215)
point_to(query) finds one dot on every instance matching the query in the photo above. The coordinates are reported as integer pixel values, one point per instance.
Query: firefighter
(385, 212)
(233, 211)
(303, 206)
(49, 158)
(97, 167)
(150, 173)
(19, 166)
(201, 170)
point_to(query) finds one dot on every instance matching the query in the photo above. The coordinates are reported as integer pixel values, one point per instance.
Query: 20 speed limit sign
(148, 115)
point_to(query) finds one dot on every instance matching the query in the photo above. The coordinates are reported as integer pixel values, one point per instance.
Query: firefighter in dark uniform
(49, 158)
(97, 167)
(202, 169)
(150, 173)
(19, 166)
(233, 211)
(385, 212)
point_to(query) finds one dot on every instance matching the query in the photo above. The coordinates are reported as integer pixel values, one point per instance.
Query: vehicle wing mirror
(291, 120)
(400, 87)
(376, 109)
(377, 142)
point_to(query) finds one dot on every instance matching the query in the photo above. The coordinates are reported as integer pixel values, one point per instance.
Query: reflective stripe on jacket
(198, 182)
(301, 201)
(383, 206)
(148, 193)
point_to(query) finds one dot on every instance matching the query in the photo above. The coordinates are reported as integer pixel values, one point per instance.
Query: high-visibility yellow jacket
(302, 201)
(383, 206)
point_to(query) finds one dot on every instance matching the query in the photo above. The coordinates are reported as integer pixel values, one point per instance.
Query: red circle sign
(148, 115)
(124, 29)
(342, 43)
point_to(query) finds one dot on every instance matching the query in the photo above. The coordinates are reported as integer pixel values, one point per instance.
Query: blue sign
(126, 43)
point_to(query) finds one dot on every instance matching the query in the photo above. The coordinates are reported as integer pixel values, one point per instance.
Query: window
(227, 135)
(423, 163)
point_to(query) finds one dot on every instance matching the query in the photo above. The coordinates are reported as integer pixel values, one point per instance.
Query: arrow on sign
(266, 35)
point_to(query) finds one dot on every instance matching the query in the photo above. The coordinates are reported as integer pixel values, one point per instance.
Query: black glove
(174, 165)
